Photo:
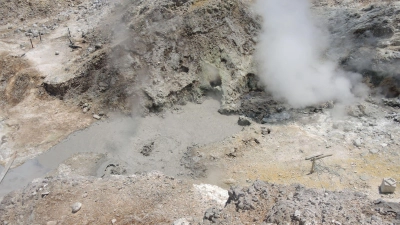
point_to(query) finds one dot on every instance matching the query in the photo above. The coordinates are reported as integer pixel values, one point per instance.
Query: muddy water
(123, 139)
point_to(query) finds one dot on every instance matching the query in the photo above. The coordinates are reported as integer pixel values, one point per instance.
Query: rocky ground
(137, 199)
(363, 150)
(66, 64)
(158, 199)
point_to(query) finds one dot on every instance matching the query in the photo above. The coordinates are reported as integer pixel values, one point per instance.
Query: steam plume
(291, 57)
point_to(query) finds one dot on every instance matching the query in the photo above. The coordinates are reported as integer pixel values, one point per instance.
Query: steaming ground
(174, 52)
(291, 57)
(364, 145)
(120, 140)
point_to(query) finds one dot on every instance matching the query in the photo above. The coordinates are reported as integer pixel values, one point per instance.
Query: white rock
(357, 142)
(297, 213)
(210, 192)
(76, 207)
(388, 185)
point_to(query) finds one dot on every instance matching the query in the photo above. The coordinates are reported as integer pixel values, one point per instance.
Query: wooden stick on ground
(3, 174)
(315, 158)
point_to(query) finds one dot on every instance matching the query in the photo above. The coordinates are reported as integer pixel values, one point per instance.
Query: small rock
(57, 53)
(44, 194)
(297, 214)
(388, 185)
(76, 207)
(230, 181)
(35, 33)
(147, 149)
(51, 223)
(265, 132)
(244, 121)
(103, 84)
(113, 221)
(212, 214)
(364, 177)
(98, 46)
(181, 221)
(375, 218)
(97, 117)
(357, 142)
(373, 151)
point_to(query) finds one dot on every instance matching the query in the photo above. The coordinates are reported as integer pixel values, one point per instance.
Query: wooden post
(3, 174)
(315, 158)
(40, 36)
(31, 42)
(312, 166)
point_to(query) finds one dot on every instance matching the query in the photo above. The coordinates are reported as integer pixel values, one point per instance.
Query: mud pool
(122, 140)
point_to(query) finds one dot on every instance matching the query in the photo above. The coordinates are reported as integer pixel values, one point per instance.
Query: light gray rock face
(366, 40)
(189, 49)
(176, 51)
(170, 52)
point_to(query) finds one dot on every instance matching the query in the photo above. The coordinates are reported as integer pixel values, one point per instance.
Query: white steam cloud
(291, 57)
